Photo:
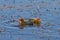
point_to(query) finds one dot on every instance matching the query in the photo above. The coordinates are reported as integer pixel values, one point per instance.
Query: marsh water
(47, 10)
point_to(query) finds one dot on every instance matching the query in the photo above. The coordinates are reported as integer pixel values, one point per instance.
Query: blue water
(47, 10)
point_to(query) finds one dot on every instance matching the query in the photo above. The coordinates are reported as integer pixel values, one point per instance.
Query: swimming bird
(32, 21)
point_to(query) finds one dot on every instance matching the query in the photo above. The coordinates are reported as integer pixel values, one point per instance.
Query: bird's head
(21, 20)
